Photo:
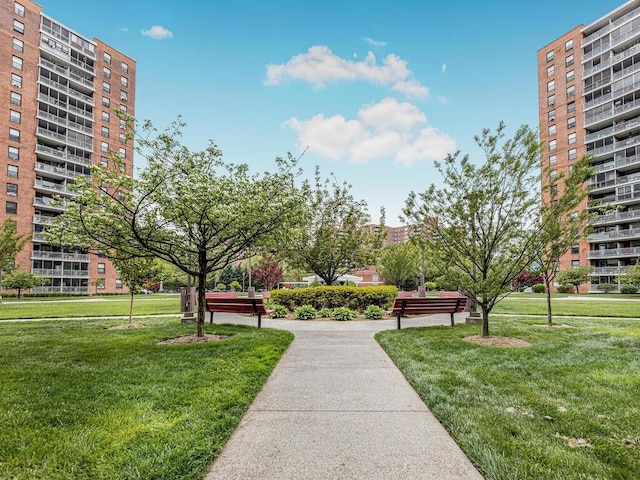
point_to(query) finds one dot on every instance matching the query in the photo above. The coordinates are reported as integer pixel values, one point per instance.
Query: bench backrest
(428, 305)
(449, 295)
(222, 295)
(235, 304)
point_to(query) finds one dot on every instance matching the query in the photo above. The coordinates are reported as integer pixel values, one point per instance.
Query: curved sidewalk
(336, 407)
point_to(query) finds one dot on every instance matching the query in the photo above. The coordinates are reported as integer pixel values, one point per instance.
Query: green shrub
(315, 283)
(355, 298)
(343, 314)
(221, 286)
(606, 287)
(538, 288)
(430, 285)
(235, 286)
(305, 312)
(374, 312)
(279, 311)
(566, 289)
(628, 289)
(325, 312)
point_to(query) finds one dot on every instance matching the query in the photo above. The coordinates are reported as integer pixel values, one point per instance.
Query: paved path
(336, 407)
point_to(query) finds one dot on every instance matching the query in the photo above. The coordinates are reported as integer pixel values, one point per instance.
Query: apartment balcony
(60, 154)
(614, 235)
(55, 188)
(611, 95)
(614, 182)
(616, 217)
(597, 271)
(601, 119)
(61, 289)
(49, 203)
(42, 219)
(71, 257)
(56, 272)
(596, 51)
(616, 145)
(620, 57)
(605, 167)
(620, 39)
(615, 253)
(623, 163)
(84, 66)
(79, 82)
(62, 139)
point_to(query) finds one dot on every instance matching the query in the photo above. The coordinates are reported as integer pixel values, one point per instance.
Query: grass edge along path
(516, 411)
(80, 401)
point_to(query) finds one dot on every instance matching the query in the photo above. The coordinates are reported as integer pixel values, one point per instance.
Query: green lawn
(585, 308)
(91, 307)
(506, 406)
(83, 402)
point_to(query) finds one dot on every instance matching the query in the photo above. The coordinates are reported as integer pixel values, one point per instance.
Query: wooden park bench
(427, 306)
(235, 304)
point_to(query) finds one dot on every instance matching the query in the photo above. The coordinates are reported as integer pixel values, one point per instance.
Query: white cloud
(444, 67)
(385, 129)
(158, 32)
(319, 66)
(375, 43)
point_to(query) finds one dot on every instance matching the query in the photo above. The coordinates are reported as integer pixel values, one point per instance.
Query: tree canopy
(575, 276)
(11, 243)
(399, 263)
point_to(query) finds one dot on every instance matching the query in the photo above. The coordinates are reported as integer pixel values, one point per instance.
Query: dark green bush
(628, 289)
(374, 312)
(343, 314)
(355, 298)
(305, 312)
(606, 287)
(325, 312)
(279, 311)
(566, 289)
(538, 288)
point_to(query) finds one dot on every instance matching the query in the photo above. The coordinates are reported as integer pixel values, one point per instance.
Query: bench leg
(211, 318)
(452, 323)
(398, 322)
(259, 320)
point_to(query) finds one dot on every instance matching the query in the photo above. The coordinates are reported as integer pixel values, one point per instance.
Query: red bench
(254, 305)
(427, 306)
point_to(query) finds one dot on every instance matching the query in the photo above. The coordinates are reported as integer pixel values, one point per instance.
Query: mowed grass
(515, 411)
(570, 307)
(80, 401)
(91, 307)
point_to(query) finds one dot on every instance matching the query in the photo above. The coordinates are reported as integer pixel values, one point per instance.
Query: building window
(570, 75)
(12, 171)
(16, 80)
(106, 72)
(118, 283)
(553, 174)
(18, 26)
(100, 283)
(123, 124)
(123, 96)
(551, 100)
(123, 108)
(571, 138)
(105, 102)
(122, 153)
(550, 70)
(571, 91)
(18, 45)
(575, 263)
(18, 9)
(552, 129)
(123, 138)
(104, 161)
(16, 63)
(553, 159)
(16, 98)
(104, 146)
(553, 190)
(125, 68)
(124, 82)
(573, 154)
(575, 249)
(101, 268)
(106, 88)
(571, 107)
(551, 116)
(12, 189)
(11, 208)
(569, 60)
(105, 116)
(551, 85)
(568, 45)
(105, 131)
(14, 153)
(14, 117)
(552, 145)
(549, 55)
(14, 134)
(106, 57)
(571, 122)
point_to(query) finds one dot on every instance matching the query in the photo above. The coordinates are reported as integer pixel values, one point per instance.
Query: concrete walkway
(336, 407)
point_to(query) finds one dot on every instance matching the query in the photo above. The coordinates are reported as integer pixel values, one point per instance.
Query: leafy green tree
(480, 234)
(11, 243)
(268, 272)
(232, 273)
(22, 280)
(399, 263)
(631, 276)
(575, 276)
(336, 237)
(134, 273)
(235, 286)
(171, 277)
(190, 209)
(561, 225)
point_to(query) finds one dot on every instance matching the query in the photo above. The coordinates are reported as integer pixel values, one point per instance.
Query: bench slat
(228, 304)
(428, 306)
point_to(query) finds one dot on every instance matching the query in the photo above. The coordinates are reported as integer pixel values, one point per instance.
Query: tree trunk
(131, 307)
(485, 321)
(202, 281)
(0, 285)
(19, 294)
(547, 284)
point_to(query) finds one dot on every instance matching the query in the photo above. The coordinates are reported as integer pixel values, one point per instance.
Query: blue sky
(375, 90)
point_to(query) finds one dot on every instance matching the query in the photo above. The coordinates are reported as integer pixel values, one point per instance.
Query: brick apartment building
(589, 103)
(57, 93)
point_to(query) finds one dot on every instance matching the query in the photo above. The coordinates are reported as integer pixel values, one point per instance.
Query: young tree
(22, 280)
(631, 276)
(11, 243)
(399, 263)
(480, 231)
(336, 238)
(268, 272)
(575, 276)
(134, 273)
(190, 209)
(561, 226)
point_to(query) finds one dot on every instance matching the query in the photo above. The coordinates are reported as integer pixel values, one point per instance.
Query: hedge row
(355, 298)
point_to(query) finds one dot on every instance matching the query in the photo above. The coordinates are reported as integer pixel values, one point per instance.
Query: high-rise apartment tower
(58, 90)
(589, 103)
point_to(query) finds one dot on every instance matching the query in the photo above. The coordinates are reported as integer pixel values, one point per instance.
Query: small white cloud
(375, 43)
(158, 32)
(444, 67)
(411, 88)
(388, 129)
